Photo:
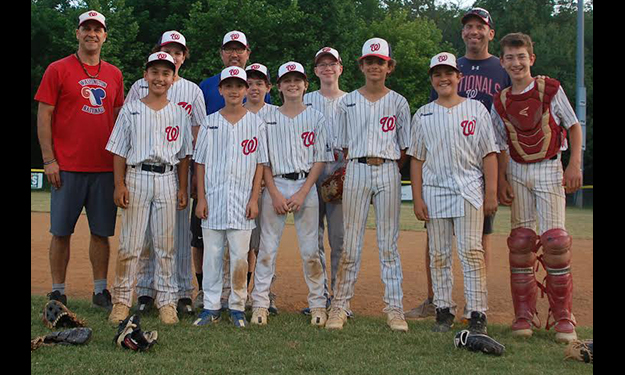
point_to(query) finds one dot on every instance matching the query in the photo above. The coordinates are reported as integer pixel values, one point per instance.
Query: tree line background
(283, 30)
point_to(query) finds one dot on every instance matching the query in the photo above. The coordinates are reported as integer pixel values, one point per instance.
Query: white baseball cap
(173, 36)
(290, 67)
(443, 58)
(161, 56)
(328, 51)
(235, 36)
(258, 68)
(376, 47)
(233, 72)
(92, 15)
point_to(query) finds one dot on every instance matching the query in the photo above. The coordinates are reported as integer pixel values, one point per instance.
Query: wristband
(49, 162)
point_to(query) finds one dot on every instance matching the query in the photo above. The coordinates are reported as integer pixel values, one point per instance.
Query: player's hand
(52, 172)
(504, 192)
(296, 201)
(183, 200)
(280, 204)
(490, 204)
(572, 179)
(201, 209)
(251, 211)
(120, 196)
(421, 210)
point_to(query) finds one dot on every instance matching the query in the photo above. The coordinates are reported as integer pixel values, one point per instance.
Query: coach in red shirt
(79, 99)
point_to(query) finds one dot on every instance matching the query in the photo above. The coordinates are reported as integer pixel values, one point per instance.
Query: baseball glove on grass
(130, 336)
(477, 342)
(579, 351)
(56, 314)
(74, 336)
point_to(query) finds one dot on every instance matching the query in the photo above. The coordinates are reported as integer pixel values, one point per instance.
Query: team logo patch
(94, 90)
(93, 14)
(308, 138)
(442, 58)
(291, 67)
(468, 127)
(255, 67)
(162, 56)
(249, 145)
(375, 47)
(234, 72)
(186, 106)
(175, 36)
(234, 36)
(172, 133)
(388, 123)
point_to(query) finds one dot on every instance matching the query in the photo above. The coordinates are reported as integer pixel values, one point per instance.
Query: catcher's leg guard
(523, 244)
(557, 258)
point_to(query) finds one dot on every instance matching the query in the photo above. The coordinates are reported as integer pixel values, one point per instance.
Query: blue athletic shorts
(94, 192)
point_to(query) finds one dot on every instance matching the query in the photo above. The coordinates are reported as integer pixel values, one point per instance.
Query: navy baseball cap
(482, 14)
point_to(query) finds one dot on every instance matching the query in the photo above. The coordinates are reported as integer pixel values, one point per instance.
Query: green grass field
(579, 222)
(290, 345)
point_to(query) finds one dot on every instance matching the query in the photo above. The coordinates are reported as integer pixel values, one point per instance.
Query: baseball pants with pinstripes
(468, 231)
(383, 183)
(152, 204)
(538, 194)
(182, 252)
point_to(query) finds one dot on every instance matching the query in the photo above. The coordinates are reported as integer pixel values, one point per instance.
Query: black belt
(295, 176)
(157, 168)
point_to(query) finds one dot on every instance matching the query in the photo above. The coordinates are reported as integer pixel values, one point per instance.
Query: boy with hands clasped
(454, 176)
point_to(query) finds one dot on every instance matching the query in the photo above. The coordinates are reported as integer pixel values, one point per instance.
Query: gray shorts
(94, 192)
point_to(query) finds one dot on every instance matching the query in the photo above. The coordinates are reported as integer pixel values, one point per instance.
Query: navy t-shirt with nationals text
(481, 80)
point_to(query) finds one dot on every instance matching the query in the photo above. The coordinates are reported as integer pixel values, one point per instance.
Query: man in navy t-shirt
(235, 51)
(483, 77)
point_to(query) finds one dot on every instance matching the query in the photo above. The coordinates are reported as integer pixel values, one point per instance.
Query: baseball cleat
(319, 316)
(336, 319)
(238, 318)
(477, 323)
(144, 305)
(119, 312)
(207, 317)
(167, 314)
(185, 306)
(102, 300)
(395, 319)
(444, 320)
(259, 316)
(424, 310)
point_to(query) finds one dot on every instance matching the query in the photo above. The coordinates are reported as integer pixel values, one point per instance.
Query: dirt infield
(291, 288)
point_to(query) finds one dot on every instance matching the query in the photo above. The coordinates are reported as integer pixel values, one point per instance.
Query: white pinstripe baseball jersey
(561, 109)
(142, 135)
(266, 109)
(294, 145)
(329, 108)
(230, 154)
(386, 128)
(452, 142)
(183, 92)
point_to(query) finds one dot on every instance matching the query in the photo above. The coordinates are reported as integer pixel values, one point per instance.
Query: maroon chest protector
(533, 134)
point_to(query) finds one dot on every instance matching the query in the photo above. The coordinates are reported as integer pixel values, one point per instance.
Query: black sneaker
(102, 300)
(444, 320)
(145, 304)
(477, 323)
(185, 306)
(57, 296)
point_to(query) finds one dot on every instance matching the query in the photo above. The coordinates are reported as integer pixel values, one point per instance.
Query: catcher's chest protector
(533, 134)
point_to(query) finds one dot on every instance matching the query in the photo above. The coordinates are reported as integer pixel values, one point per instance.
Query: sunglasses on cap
(480, 12)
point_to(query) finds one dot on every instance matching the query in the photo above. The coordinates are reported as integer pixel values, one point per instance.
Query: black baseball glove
(56, 314)
(74, 336)
(130, 336)
(477, 342)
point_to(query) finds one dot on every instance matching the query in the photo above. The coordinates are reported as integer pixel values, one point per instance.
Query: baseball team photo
(319, 187)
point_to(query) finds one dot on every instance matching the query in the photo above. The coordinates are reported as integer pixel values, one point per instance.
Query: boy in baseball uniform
(328, 68)
(531, 119)
(229, 156)
(189, 97)
(374, 131)
(454, 169)
(296, 147)
(151, 142)
(259, 86)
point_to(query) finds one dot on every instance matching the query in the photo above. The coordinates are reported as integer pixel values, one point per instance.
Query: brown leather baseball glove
(56, 314)
(332, 187)
(579, 351)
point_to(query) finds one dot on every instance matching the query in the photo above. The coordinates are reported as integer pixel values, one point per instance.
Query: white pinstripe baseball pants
(152, 204)
(468, 231)
(272, 227)
(182, 252)
(538, 194)
(383, 183)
